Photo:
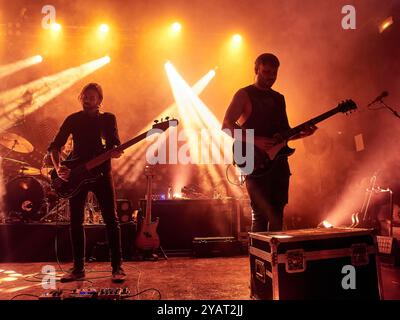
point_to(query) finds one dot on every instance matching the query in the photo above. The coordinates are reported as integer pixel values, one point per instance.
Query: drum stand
(59, 213)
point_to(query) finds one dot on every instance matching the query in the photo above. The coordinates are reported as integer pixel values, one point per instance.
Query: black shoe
(118, 275)
(74, 275)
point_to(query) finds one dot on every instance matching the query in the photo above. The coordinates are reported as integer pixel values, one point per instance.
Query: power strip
(87, 293)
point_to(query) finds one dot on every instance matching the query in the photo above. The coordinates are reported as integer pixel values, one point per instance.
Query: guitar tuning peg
(166, 118)
(162, 119)
(156, 121)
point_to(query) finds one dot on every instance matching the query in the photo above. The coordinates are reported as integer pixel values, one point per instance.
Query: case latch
(260, 270)
(359, 254)
(295, 261)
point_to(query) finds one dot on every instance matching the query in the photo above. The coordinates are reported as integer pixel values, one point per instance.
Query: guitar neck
(108, 154)
(296, 130)
(149, 198)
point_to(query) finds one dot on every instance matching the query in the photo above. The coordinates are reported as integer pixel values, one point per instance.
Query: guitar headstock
(347, 106)
(165, 124)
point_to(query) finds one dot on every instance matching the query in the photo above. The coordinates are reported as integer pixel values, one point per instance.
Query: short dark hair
(94, 86)
(266, 58)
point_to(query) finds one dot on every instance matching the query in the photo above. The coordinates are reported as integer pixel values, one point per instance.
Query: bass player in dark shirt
(93, 132)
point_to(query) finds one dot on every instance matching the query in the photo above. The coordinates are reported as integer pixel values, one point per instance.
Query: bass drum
(24, 199)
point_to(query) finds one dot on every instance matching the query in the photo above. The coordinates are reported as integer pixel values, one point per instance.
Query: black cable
(37, 276)
(229, 180)
(56, 240)
(139, 293)
(138, 280)
(25, 294)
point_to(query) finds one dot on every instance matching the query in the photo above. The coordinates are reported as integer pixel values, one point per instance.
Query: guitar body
(147, 238)
(262, 160)
(79, 177)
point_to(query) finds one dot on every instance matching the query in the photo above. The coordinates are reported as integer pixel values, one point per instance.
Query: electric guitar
(147, 238)
(83, 173)
(263, 160)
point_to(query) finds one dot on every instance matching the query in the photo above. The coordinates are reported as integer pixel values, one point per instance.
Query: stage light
(19, 65)
(325, 224)
(104, 28)
(386, 24)
(15, 106)
(8, 279)
(235, 46)
(56, 27)
(210, 148)
(37, 59)
(177, 196)
(176, 27)
(237, 38)
(125, 166)
(16, 275)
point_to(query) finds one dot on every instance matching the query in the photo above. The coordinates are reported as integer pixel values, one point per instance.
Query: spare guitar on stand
(147, 240)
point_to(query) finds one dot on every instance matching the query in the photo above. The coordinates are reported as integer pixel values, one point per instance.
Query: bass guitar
(147, 238)
(83, 173)
(263, 160)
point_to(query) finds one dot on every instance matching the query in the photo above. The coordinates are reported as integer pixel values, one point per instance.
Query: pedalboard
(87, 294)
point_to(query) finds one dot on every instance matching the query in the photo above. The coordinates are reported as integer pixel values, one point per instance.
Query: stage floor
(182, 278)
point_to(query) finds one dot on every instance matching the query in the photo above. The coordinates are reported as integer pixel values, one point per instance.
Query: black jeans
(103, 188)
(268, 194)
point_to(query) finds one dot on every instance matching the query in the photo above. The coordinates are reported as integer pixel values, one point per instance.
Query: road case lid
(309, 234)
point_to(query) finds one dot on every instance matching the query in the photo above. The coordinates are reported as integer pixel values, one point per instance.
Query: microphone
(380, 97)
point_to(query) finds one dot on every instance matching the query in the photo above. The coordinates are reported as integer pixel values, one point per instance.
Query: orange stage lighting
(104, 28)
(19, 65)
(176, 27)
(56, 27)
(237, 38)
(385, 24)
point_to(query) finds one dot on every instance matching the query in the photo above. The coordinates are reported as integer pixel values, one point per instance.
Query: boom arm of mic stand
(391, 109)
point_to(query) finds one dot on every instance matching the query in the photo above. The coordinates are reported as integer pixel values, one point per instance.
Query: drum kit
(28, 196)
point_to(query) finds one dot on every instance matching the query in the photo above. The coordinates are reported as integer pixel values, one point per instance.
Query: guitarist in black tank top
(262, 109)
(93, 132)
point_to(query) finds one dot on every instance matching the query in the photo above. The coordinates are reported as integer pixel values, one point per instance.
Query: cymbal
(14, 160)
(15, 142)
(30, 171)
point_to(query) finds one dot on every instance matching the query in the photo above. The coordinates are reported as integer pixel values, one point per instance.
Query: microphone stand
(391, 109)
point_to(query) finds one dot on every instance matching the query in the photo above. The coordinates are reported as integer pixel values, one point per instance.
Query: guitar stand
(150, 255)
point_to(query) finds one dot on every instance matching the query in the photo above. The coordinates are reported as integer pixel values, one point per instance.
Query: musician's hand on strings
(63, 172)
(264, 143)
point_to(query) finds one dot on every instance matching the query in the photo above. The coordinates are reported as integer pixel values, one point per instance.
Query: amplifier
(216, 246)
(182, 220)
(388, 249)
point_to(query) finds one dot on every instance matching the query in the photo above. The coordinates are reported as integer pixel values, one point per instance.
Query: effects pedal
(52, 295)
(83, 293)
(87, 294)
(113, 293)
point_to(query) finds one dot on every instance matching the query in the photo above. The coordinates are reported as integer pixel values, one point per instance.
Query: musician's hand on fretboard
(116, 153)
